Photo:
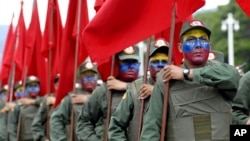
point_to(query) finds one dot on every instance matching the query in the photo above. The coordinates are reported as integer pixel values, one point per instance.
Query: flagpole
(19, 116)
(12, 74)
(144, 82)
(166, 89)
(72, 118)
(109, 101)
(49, 65)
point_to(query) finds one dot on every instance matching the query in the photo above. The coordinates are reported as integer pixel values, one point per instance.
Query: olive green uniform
(91, 122)
(198, 109)
(39, 123)
(125, 120)
(27, 114)
(61, 119)
(241, 102)
(3, 122)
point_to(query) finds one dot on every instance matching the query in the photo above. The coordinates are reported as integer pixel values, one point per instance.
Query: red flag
(74, 25)
(34, 60)
(98, 4)
(16, 51)
(7, 55)
(52, 35)
(104, 69)
(20, 42)
(177, 55)
(119, 24)
(244, 5)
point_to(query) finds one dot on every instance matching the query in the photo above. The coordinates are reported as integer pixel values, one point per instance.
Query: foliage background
(219, 40)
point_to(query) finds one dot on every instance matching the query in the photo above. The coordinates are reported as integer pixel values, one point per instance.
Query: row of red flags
(117, 24)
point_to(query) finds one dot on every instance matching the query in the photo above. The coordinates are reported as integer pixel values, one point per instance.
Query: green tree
(213, 20)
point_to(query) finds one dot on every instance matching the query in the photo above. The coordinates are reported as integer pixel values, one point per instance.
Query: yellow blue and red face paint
(195, 38)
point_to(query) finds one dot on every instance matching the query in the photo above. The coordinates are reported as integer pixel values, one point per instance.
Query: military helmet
(131, 52)
(32, 79)
(88, 66)
(160, 45)
(194, 24)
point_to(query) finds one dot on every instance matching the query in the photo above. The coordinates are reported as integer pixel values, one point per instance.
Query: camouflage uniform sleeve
(38, 124)
(120, 118)
(13, 123)
(89, 116)
(241, 102)
(152, 120)
(59, 119)
(222, 76)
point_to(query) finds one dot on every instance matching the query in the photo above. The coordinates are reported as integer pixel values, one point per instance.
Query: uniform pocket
(192, 99)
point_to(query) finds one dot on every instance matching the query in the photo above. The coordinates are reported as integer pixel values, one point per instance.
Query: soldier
(124, 121)
(3, 113)
(25, 110)
(95, 110)
(62, 115)
(199, 93)
(40, 123)
(241, 102)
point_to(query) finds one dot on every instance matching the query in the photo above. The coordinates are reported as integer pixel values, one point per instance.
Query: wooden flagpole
(72, 118)
(166, 90)
(142, 105)
(109, 102)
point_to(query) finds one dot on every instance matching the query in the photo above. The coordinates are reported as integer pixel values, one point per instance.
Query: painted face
(33, 89)
(89, 81)
(196, 46)
(3, 95)
(20, 93)
(129, 70)
(156, 63)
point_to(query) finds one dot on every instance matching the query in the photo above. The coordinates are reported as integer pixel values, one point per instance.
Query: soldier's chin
(199, 61)
(33, 94)
(130, 77)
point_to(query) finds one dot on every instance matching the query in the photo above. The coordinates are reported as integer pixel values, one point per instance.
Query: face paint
(129, 70)
(195, 33)
(156, 63)
(33, 89)
(3, 96)
(89, 81)
(196, 46)
(159, 60)
(190, 44)
(197, 57)
(20, 93)
(193, 39)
